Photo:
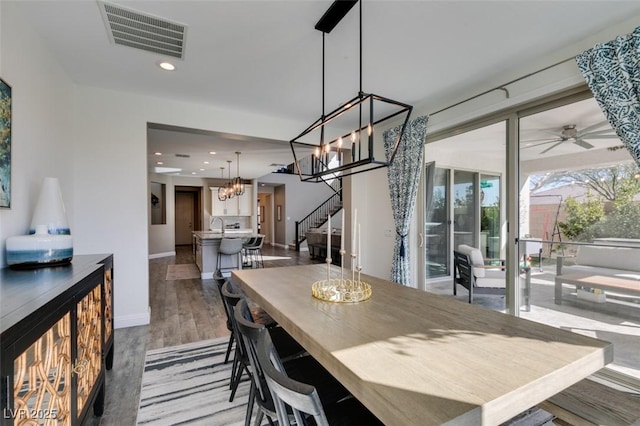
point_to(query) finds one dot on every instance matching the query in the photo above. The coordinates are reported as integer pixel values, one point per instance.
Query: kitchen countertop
(217, 235)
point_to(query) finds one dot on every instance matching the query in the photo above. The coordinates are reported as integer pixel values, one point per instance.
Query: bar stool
(253, 252)
(229, 247)
(246, 261)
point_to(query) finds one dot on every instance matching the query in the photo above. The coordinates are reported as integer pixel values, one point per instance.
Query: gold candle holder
(340, 289)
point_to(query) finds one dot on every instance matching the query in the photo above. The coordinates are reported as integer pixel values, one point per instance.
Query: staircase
(318, 216)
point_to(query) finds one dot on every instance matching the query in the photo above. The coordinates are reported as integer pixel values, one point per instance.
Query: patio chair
(477, 275)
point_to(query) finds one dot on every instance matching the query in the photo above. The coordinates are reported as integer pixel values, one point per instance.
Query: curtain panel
(404, 175)
(612, 72)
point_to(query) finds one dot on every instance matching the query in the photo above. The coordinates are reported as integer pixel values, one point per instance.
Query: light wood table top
(416, 358)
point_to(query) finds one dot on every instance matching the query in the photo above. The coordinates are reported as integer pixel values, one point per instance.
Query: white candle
(359, 246)
(354, 221)
(329, 236)
(342, 233)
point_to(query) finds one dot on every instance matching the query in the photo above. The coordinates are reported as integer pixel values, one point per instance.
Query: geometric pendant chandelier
(235, 186)
(345, 141)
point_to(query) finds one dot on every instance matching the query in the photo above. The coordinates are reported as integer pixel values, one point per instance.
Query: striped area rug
(189, 385)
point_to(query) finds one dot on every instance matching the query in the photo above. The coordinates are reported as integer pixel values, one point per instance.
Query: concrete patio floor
(616, 321)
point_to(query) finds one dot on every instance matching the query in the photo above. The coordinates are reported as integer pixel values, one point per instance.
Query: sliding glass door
(437, 224)
(490, 217)
(569, 191)
(579, 215)
(464, 208)
(463, 194)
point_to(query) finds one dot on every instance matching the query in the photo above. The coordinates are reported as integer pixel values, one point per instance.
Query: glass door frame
(510, 181)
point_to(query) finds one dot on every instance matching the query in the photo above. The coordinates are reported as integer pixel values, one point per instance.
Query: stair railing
(319, 215)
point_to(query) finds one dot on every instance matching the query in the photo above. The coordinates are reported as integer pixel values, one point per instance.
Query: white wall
(111, 178)
(42, 123)
(162, 238)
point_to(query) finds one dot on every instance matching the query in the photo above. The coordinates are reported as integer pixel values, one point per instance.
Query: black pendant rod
(323, 75)
(323, 115)
(361, 48)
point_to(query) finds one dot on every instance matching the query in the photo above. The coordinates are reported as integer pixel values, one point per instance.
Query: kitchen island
(206, 245)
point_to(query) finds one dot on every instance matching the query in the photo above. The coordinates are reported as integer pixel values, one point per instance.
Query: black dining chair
(220, 281)
(297, 402)
(301, 366)
(286, 345)
(258, 314)
(240, 358)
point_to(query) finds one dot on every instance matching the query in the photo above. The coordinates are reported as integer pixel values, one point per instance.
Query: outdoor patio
(617, 320)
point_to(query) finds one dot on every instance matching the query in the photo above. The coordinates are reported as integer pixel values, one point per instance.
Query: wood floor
(182, 311)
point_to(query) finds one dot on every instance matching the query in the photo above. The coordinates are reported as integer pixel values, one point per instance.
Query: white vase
(50, 211)
(49, 241)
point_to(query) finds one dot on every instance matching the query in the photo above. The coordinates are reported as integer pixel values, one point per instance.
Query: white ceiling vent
(131, 28)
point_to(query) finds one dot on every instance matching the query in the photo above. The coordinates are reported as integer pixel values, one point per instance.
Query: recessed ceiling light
(205, 162)
(202, 170)
(166, 170)
(159, 163)
(212, 152)
(158, 153)
(167, 66)
(193, 173)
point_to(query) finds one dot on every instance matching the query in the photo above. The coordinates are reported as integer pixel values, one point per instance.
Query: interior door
(184, 217)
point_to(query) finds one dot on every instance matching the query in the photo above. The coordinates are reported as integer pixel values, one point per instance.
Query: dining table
(417, 358)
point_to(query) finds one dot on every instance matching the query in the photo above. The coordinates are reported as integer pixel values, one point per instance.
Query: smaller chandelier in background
(233, 186)
(226, 191)
(222, 190)
(238, 184)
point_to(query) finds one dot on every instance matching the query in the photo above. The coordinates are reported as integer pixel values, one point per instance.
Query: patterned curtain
(404, 176)
(612, 71)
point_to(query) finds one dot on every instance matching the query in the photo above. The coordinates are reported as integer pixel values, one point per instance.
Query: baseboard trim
(158, 255)
(132, 320)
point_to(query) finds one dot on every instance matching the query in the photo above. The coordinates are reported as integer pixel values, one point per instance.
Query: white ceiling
(264, 56)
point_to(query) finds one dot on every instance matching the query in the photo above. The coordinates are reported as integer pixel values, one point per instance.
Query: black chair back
(302, 398)
(251, 333)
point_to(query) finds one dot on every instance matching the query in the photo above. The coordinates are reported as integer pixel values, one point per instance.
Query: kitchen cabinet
(236, 206)
(56, 341)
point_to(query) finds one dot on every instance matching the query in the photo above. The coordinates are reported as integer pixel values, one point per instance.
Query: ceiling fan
(571, 134)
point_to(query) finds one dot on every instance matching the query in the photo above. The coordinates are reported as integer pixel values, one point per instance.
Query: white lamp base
(36, 250)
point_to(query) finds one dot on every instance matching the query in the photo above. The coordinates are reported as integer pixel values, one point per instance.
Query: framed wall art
(5, 145)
